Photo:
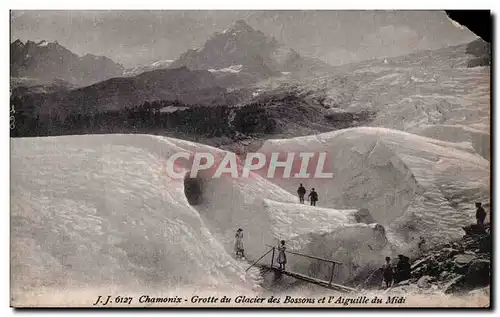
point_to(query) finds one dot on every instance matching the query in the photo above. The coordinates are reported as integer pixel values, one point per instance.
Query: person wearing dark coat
(480, 214)
(403, 269)
(313, 197)
(301, 192)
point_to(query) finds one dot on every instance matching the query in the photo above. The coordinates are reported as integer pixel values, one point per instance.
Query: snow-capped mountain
(48, 61)
(255, 52)
(160, 64)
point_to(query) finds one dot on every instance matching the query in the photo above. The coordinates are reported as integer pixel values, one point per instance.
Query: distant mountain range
(232, 68)
(49, 61)
(238, 55)
(53, 79)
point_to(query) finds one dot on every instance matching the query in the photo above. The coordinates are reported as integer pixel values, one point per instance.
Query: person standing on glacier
(421, 244)
(301, 192)
(238, 245)
(480, 214)
(313, 197)
(282, 255)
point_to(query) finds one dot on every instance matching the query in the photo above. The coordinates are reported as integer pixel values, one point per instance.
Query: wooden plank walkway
(303, 277)
(309, 279)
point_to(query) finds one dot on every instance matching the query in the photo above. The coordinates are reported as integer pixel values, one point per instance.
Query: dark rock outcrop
(478, 273)
(475, 229)
(459, 265)
(454, 285)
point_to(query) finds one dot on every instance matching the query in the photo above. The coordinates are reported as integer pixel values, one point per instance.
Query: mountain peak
(243, 45)
(18, 42)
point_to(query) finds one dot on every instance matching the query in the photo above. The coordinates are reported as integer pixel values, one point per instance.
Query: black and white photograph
(250, 158)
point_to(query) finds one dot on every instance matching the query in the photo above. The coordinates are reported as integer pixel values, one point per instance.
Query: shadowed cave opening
(193, 189)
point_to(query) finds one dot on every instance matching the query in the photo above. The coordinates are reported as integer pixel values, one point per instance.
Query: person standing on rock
(313, 197)
(480, 214)
(388, 273)
(302, 192)
(282, 255)
(238, 245)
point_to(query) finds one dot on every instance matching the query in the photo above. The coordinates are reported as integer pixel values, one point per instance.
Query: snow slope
(478, 138)
(431, 89)
(96, 210)
(435, 101)
(100, 211)
(412, 184)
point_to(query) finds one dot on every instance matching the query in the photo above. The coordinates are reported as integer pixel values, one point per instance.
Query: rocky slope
(457, 267)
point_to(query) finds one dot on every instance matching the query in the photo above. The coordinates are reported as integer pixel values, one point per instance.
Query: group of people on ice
(313, 195)
(281, 259)
(402, 270)
(240, 251)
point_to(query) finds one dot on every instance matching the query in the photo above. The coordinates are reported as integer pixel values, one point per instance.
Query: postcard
(277, 158)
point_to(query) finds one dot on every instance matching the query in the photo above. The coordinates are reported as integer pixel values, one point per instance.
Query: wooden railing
(260, 259)
(273, 249)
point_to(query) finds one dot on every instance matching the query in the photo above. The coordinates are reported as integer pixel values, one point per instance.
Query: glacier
(99, 212)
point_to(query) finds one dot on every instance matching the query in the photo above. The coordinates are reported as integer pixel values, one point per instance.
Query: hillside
(181, 84)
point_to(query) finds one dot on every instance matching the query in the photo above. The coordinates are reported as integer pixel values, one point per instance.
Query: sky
(134, 38)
